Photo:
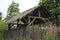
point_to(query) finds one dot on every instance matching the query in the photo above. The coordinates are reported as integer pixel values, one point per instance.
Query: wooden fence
(30, 33)
(22, 32)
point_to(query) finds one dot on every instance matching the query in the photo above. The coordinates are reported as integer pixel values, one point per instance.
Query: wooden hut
(30, 17)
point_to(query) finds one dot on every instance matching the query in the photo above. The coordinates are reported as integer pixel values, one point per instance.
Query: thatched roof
(43, 10)
(21, 15)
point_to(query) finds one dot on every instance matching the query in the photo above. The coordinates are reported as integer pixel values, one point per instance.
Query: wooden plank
(28, 20)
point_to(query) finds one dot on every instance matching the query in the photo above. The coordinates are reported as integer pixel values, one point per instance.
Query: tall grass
(50, 37)
(21, 38)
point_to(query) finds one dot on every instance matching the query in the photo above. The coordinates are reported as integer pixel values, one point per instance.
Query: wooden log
(31, 22)
(39, 14)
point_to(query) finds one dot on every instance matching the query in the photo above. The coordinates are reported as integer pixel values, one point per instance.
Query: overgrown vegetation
(52, 5)
(3, 27)
(50, 37)
(21, 38)
(13, 10)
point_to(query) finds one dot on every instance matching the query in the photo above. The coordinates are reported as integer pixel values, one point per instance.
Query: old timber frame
(36, 15)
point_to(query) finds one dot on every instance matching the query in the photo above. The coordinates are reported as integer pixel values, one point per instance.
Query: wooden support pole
(39, 13)
(31, 22)
(33, 30)
(34, 17)
(28, 20)
(38, 17)
(25, 20)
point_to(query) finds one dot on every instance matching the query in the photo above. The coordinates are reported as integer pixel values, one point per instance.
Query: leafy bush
(3, 27)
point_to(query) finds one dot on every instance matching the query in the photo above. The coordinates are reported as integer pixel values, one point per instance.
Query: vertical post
(28, 29)
(39, 13)
(17, 22)
(28, 20)
(32, 32)
(17, 30)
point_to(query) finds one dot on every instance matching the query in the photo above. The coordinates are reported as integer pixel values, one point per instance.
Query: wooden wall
(31, 33)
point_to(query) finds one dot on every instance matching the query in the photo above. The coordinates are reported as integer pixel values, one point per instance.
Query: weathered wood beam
(44, 19)
(37, 17)
(28, 20)
(31, 22)
(25, 20)
(39, 13)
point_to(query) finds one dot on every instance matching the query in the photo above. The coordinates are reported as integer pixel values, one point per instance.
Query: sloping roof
(21, 15)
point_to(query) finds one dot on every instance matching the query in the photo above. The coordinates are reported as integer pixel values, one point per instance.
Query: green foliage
(13, 10)
(3, 27)
(56, 10)
(52, 5)
(22, 38)
(50, 37)
(1, 35)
